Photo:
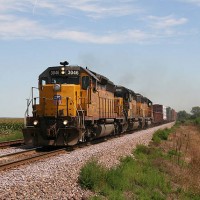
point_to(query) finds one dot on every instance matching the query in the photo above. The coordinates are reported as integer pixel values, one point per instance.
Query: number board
(54, 72)
(72, 72)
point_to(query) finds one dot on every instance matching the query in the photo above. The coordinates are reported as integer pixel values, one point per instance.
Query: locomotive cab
(148, 111)
(129, 107)
(58, 111)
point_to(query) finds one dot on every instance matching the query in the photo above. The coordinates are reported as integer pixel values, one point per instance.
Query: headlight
(65, 122)
(35, 122)
(62, 70)
(56, 87)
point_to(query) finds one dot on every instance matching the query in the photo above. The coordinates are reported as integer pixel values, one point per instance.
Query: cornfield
(8, 126)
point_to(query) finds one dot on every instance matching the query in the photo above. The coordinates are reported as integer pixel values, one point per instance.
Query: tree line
(183, 115)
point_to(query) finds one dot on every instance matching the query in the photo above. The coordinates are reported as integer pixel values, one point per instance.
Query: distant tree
(183, 115)
(195, 111)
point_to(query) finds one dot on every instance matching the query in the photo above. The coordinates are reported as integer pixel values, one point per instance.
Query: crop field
(11, 129)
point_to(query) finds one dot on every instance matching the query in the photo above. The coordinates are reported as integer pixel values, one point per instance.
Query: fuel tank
(103, 130)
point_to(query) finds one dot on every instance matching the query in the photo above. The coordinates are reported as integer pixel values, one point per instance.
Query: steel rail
(17, 153)
(40, 155)
(10, 143)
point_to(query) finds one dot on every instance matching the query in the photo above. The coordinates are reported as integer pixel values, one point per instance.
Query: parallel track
(10, 160)
(11, 143)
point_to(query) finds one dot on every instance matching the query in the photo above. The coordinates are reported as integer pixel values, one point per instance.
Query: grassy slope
(164, 170)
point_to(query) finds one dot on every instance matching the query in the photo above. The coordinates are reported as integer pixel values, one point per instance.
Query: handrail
(26, 112)
(71, 100)
(82, 115)
(28, 104)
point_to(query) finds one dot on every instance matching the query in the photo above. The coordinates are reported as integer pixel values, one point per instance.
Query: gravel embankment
(56, 177)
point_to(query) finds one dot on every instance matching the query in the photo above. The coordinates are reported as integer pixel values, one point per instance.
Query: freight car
(76, 104)
(163, 114)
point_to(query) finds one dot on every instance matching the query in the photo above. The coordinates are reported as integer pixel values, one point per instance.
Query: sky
(149, 46)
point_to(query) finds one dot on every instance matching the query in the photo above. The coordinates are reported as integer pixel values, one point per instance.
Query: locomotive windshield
(66, 80)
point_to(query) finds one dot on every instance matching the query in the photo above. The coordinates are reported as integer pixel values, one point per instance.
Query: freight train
(76, 105)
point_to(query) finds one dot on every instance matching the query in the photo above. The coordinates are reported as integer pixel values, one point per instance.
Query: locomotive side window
(43, 81)
(85, 82)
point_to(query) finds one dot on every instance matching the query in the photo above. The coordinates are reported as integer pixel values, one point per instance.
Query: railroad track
(19, 158)
(11, 143)
(15, 159)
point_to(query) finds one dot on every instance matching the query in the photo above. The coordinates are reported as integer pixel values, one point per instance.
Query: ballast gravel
(10, 150)
(56, 177)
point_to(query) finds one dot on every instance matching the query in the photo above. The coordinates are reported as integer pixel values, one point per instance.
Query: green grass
(132, 179)
(173, 152)
(160, 135)
(10, 129)
(11, 136)
(89, 178)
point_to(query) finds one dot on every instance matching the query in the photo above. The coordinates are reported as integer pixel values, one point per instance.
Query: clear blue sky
(149, 46)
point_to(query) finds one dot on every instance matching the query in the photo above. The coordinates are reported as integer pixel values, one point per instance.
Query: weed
(142, 149)
(92, 175)
(161, 135)
(173, 152)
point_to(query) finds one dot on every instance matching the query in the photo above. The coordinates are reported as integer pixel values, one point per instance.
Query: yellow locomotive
(76, 104)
